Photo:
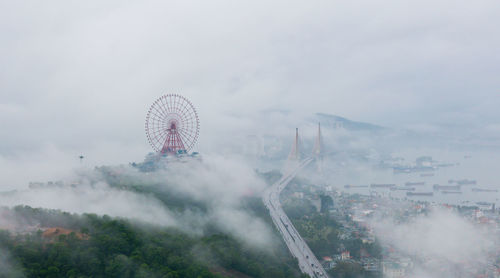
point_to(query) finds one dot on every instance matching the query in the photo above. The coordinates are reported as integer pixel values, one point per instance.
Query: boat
(446, 187)
(466, 182)
(402, 188)
(419, 194)
(414, 183)
(445, 165)
(451, 192)
(484, 190)
(382, 185)
(412, 169)
(354, 186)
(400, 169)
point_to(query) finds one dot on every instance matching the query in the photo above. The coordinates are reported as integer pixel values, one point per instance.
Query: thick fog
(440, 244)
(219, 182)
(7, 266)
(77, 78)
(97, 198)
(81, 75)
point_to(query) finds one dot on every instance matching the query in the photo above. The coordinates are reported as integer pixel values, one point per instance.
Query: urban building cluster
(356, 214)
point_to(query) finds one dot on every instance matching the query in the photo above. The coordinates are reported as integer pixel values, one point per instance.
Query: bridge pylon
(318, 149)
(295, 154)
(295, 151)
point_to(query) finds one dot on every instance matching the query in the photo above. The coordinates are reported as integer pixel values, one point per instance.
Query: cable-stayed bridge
(308, 263)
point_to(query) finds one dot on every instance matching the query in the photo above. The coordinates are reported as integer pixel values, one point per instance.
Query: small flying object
(81, 158)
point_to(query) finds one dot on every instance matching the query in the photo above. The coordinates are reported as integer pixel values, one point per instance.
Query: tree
(347, 270)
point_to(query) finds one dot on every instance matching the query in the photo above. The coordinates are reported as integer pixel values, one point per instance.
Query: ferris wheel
(172, 125)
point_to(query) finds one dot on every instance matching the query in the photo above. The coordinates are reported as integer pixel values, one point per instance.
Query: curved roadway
(308, 263)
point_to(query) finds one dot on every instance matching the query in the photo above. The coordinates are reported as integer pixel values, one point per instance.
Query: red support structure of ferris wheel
(174, 142)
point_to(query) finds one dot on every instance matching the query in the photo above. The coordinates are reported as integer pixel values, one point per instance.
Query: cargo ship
(410, 169)
(484, 190)
(402, 188)
(445, 165)
(451, 192)
(419, 194)
(463, 182)
(446, 187)
(354, 186)
(414, 183)
(382, 185)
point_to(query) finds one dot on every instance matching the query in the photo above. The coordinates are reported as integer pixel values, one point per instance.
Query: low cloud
(23, 166)
(243, 226)
(220, 183)
(97, 198)
(7, 267)
(437, 243)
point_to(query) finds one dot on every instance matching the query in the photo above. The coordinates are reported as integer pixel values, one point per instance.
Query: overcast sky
(80, 75)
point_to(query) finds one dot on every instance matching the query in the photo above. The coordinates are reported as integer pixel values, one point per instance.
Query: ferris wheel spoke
(182, 119)
(181, 107)
(153, 143)
(157, 111)
(175, 103)
(159, 123)
(186, 108)
(184, 133)
(178, 101)
(158, 133)
(173, 99)
(184, 114)
(183, 110)
(162, 107)
(185, 139)
(158, 130)
(171, 103)
(159, 140)
(159, 107)
(166, 105)
(161, 112)
(178, 104)
(188, 127)
(154, 112)
(156, 126)
(155, 117)
(152, 131)
(189, 136)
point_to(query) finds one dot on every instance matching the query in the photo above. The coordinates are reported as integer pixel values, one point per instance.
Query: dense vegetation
(321, 232)
(108, 247)
(349, 270)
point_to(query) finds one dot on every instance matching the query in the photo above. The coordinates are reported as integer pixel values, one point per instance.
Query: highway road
(308, 263)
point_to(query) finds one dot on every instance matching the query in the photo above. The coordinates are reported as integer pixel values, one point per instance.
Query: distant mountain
(333, 121)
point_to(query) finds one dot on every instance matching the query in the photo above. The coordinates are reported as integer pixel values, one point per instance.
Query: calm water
(481, 166)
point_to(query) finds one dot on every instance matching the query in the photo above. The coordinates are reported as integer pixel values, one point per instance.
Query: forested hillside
(100, 246)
